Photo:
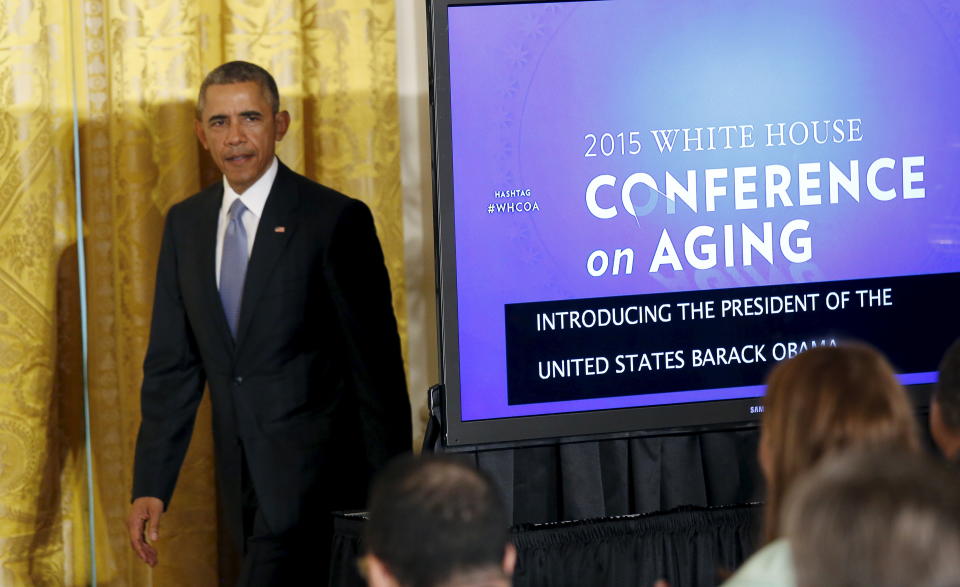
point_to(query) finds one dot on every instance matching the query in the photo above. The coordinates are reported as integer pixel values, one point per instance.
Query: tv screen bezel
(526, 430)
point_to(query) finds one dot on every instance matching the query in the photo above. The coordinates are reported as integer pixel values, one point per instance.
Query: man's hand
(143, 522)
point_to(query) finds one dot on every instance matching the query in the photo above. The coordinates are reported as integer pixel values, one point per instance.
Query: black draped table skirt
(686, 546)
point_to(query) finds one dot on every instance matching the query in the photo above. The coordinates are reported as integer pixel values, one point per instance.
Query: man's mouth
(241, 158)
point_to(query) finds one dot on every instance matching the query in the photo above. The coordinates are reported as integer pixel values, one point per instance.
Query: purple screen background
(529, 81)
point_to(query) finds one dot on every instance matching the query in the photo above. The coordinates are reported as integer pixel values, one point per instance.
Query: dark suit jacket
(312, 393)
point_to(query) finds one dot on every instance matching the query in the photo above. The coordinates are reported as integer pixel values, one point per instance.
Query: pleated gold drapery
(137, 66)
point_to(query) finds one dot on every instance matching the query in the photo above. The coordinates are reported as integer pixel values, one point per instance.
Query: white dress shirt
(255, 198)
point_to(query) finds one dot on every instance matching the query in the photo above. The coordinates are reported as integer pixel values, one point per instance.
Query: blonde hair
(822, 401)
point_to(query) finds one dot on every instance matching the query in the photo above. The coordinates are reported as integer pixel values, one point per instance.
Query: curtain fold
(692, 547)
(624, 476)
(42, 513)
(137, 65)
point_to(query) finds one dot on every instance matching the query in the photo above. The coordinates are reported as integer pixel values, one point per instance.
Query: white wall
(417, 204)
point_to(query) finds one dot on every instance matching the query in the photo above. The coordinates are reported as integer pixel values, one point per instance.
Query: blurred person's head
(435, 522)
(945, 405)
(821, 401)
(875, 519)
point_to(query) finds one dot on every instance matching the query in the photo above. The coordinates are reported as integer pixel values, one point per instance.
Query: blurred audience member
(818, 403)
(435, 522)
(945, 405)
(876, 519)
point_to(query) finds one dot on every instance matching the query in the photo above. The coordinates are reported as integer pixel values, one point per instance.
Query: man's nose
(235, 135)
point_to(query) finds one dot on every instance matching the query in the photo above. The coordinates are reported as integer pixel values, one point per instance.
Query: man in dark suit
(272, 290)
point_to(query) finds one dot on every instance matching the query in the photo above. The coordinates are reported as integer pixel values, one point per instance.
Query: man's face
(239, 129)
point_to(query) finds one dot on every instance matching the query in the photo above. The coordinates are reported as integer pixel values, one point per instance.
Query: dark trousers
(299, 557)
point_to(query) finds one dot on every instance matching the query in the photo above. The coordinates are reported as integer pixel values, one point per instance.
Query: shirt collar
(255, 197)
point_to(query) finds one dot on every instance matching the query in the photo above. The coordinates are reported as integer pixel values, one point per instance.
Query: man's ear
(764, 458)
(198, 129)
(281, 123)
(938, 429)
(509, 559)
(377, 573)
(946, 438)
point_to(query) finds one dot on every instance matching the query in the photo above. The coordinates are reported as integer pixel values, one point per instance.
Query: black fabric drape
(697, 547)
(346, 550)
(693, 547)
(544, 486)
(624, 476)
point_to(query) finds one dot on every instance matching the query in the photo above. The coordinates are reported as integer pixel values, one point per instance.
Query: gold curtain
(137, 65)
(41, 456)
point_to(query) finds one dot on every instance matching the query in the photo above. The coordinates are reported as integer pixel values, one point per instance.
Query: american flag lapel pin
(280, 229)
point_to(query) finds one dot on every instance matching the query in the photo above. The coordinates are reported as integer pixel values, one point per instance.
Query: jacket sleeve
(173, 381)
(360, 287)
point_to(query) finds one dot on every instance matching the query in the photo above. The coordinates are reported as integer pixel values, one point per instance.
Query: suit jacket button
(238, 380)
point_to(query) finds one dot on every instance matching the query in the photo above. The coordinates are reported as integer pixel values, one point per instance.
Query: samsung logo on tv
(756, 409)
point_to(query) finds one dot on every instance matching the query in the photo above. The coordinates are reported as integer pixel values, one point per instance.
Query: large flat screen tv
(642, 206)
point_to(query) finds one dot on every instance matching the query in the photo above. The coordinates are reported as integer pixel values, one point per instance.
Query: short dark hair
(947, 391)
(234, 72)
(879, 518)
(432, 518)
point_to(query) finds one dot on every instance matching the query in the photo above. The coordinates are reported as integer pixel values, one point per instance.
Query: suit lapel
(206, 260)
(279, 211)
